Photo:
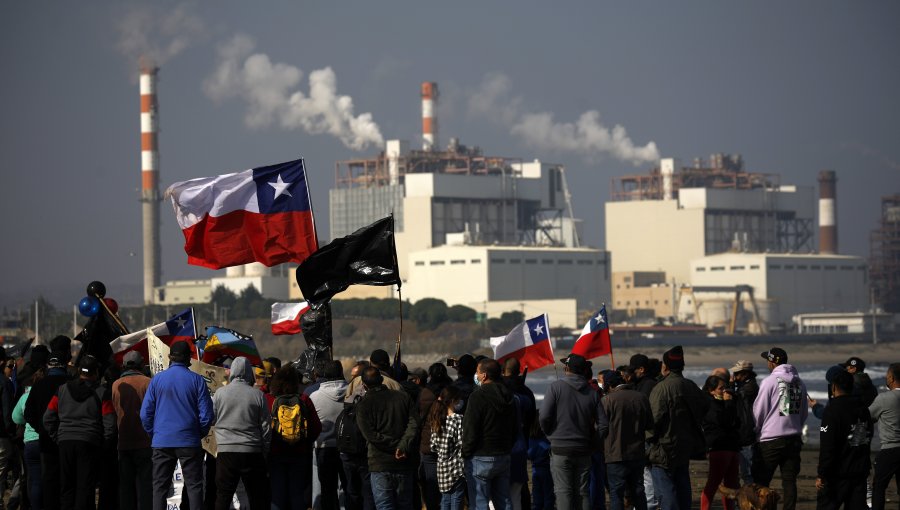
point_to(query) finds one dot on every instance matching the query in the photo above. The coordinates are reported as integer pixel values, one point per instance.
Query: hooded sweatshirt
(489, 421)
(243, 421)
(845, 437)
(80, 411)
(571, 415)
(329, 402)
(782, 405)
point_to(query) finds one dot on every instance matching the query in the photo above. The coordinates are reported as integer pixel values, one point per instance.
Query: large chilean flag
(594, 340)
(259, 215)
(529, 342)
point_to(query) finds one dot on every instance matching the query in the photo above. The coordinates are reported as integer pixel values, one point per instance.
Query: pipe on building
(828, 237)
(150, 196)
(429, 116)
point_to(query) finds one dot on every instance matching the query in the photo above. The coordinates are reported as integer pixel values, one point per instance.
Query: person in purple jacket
(780, 410)
(177, 413)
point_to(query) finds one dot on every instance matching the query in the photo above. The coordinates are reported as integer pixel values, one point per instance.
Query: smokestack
(429, 121)
(150, 196)
(828, 239)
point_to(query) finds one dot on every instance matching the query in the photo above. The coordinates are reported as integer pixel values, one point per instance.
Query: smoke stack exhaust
(150, 196)
(828, 238)
(429, 120)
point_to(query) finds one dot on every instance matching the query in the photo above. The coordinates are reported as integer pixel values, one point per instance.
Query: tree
(221, 296)
(461, 313)
(428, 313)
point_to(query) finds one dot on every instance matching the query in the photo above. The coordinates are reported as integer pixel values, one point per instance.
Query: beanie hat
(674, 358)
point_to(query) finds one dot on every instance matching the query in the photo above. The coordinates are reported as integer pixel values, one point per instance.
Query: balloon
(96, 288)
(89, 306)
(111, 304)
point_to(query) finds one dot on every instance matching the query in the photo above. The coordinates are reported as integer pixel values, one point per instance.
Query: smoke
(156, 34)
(269, 90)
(587, 136)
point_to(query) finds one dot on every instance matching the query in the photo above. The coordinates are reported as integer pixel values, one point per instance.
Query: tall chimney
(828, 238)
(150, 196)
(429, 121)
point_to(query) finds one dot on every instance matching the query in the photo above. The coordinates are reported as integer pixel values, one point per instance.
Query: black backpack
(349, 439)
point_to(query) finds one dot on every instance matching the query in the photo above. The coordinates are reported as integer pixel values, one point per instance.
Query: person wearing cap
(678, 407)
(328, 400)
(643, 381)
(575, 424)
(79, 419)
(177, 413)
(862, 383)
(629, 416)
(743, 382)
(487, 438)
(380, 360)
(885, 410)
(780, 410)
(41, 394)
(135, 463)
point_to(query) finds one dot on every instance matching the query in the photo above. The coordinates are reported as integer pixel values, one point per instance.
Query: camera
(452, 362)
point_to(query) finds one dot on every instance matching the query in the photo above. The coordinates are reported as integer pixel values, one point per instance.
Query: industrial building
(642, 295)
(885, 253)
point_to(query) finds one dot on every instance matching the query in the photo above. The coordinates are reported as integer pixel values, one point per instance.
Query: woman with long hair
(445, 424)
(721, 426)
(438, 378)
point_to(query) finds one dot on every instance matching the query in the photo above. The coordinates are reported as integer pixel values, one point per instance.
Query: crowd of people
(100, 435)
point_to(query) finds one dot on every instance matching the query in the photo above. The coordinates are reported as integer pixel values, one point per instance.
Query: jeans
(79, 466)
(723, 469)
(571, 481)
(393, 490)
(50, 477)
(33, 474)
(249, 468)
(453, 499)
(887, 466)
(359, 483)
(649, 490)
(135, 479)
(783, 453)
(745, 459)
(542, 488)
(285, 475)
(164, 460)
(597, 487)
(428, 478)
(7, 459)
(328, 463)
(673, 486)
(487, 480)
(626, 477)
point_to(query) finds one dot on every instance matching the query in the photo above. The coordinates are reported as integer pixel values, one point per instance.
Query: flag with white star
(529, 342)
(179, 327)
(258, 215)
(594, 340)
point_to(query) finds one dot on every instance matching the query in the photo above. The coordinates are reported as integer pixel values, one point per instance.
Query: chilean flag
(594, 340)
(286, 317)
(179, 327)
(259, 215)
(529, 342)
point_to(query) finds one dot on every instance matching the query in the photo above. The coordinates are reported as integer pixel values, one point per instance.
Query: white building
(179, 292)
(850, 322)
(783, 285)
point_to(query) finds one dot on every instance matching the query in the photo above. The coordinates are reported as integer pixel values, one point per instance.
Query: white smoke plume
(157, 34)
(269, 89)
(587, 136)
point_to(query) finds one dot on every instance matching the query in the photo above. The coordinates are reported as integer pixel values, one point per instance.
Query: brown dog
(752, 497)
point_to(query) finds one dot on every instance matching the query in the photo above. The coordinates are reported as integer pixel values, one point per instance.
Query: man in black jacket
(844, 448)
(629, 415)
(746, 388)
(487, 439)
(862, 383)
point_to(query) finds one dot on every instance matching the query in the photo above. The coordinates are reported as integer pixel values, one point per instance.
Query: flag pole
(399, 333)
(612, 360)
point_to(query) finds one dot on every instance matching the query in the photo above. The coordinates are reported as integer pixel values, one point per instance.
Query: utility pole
(874, 317)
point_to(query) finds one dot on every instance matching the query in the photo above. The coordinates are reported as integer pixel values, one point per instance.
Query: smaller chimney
(828, 238)
(429, 119)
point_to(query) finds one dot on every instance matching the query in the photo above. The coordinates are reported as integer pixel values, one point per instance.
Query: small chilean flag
(529, 342)
(179, 328)
(259, 215)
(594, 340)
(286, 317)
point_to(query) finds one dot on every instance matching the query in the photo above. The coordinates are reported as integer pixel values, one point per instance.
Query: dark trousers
(78, 467)
(331, 471)
(887, 466)
(626, 477)
(849, 494)
(287, 477)
(428, 479)
(135, 477)
(33, 474)
(544, 497)
(359, 483)
(50, 477)
(164, 460)
(108, 477)
(249, 468)
(782, 453)
(598, 481)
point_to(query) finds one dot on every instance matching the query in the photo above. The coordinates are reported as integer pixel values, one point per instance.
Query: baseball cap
(133, 359)
(420, 373)
(180, 350)
(775, 355)
(742, 366)
(89, 365)
(576, 363)
(833, 371)
(855, 362)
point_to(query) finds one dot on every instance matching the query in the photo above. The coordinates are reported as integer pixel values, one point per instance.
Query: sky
(604, 88)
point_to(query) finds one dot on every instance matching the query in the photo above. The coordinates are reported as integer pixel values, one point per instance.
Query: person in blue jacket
(177, 413)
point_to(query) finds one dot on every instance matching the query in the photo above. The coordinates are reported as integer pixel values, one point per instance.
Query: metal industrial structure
(150, 196)
(885, 256)
(828, 240)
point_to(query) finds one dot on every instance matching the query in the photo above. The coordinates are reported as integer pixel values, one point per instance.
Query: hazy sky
(794, 87)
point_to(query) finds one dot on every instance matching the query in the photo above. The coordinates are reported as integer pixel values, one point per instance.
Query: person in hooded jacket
(243, 437)
(575, 424)
(328, 401)
(79, 418)
(721, 426)
(862, 383)
(780, 410)
(629, 415)
(488, 419)
(845, 436)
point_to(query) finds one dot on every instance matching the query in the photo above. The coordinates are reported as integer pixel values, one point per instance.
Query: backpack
(349, 439)
(290, 419)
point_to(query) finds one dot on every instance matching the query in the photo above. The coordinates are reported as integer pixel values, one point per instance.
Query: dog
(752, 497)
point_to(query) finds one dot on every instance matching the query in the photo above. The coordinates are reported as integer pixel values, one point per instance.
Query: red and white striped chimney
(429, 118)
(828, 238)
(150, 196)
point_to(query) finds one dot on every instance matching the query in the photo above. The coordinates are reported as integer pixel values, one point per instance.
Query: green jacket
(388, 420)
(678, 407)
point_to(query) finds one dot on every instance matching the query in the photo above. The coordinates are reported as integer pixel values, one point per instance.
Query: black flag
(365, 257)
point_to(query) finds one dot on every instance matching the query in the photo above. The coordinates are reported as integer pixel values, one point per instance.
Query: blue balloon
(89, 306)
